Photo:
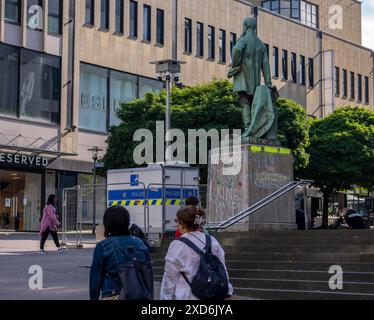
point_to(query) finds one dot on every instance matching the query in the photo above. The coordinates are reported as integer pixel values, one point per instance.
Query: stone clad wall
(263, 171)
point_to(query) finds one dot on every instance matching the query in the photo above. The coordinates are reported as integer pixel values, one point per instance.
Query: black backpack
(136, 278)
(211, 281)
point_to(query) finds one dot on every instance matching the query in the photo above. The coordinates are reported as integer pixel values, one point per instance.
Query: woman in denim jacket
(110, 253)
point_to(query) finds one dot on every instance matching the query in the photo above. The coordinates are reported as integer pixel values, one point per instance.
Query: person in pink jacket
(49, 224)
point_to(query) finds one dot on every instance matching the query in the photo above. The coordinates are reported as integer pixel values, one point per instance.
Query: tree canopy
(204, 106)
(342, 152)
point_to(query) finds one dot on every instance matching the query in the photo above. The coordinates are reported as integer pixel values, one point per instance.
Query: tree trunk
(325, 214)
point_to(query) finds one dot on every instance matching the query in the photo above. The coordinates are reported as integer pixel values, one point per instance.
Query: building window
(93, 98)
(232, 41)
(275, 62)
(31, 85)
(160, 32)
(345, 84)
(40, 85)
(353, 94)
(133, 19)
(147, 85)
(284, 65)
(123, 88)
(9, 79)
(302, 71)
(308, 14)
(222, 46)
(294, 67)
(295, 9)
(303, 11)
(359, 88)
(90, 12)
(187, 35)
(103, 90)
(367, 90)
(211, 42)
(104, 19)
(200, 39)
(119, 16)
(311, 72)
(13, 11)
(337, 81)
(146, 23)
(55, 16)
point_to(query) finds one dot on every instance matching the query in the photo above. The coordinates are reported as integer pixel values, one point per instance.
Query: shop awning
(35, 146)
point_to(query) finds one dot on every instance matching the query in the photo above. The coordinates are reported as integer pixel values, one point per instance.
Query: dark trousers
(45, 235)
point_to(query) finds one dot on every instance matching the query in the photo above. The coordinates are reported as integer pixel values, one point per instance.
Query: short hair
(191, 201)
(116, 222)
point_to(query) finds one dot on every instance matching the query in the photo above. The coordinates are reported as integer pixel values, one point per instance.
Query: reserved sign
(20, 160)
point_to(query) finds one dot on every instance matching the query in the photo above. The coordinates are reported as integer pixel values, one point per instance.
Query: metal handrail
(256, 206)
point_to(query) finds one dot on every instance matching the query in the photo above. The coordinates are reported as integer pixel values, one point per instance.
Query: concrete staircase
(294, 264)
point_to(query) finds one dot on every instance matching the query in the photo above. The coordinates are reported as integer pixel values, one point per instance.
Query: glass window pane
(149, 85)
(12, 11)
(266, 5)
(119, 16)
(160, 26)
(40, 87)
(133, 19)
(93, 98)
(147, 23)
(90, 12)
(54, 16)
(9, 64)
(123, 88)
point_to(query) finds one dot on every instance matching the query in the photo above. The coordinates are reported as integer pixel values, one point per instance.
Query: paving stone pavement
(65, 275)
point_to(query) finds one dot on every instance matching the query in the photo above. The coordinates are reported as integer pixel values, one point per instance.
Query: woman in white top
(181, 258)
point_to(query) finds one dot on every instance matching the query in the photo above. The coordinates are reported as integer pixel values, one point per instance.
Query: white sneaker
(61, 249)
(43, 252)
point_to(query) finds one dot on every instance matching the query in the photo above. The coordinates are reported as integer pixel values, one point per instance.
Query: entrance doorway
(20, 194)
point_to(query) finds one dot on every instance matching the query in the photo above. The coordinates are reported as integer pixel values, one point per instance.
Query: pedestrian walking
(49, 224)
(121, 265)
(195, 263)
(190, 201)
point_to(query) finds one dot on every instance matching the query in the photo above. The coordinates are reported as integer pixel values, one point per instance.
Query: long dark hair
(51, 199)
(116, 222)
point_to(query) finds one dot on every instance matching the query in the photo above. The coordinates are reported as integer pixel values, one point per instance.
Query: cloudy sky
(368, 23)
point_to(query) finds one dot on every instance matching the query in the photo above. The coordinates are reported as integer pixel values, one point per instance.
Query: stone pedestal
(264, 169)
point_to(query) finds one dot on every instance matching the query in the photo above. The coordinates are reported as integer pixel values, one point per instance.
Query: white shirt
(181, 258)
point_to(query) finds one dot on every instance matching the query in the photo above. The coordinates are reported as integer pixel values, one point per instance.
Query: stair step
(327, 257)
(291, 274)
(279, 294)
(287, 265)
(290, 248)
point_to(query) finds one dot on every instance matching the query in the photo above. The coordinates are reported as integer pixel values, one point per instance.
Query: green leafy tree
(204, 106)
(342, 152)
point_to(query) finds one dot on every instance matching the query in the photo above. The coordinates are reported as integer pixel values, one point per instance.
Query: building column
(174, 47)
(24, 22)
(2, 15)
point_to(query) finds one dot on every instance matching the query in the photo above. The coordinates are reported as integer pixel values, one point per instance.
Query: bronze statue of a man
(249, 59)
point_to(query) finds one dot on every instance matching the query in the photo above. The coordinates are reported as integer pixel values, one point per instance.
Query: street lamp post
(95, 155)
(168, 71)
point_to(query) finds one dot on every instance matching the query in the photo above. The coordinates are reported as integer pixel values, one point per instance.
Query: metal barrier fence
(152, 207)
